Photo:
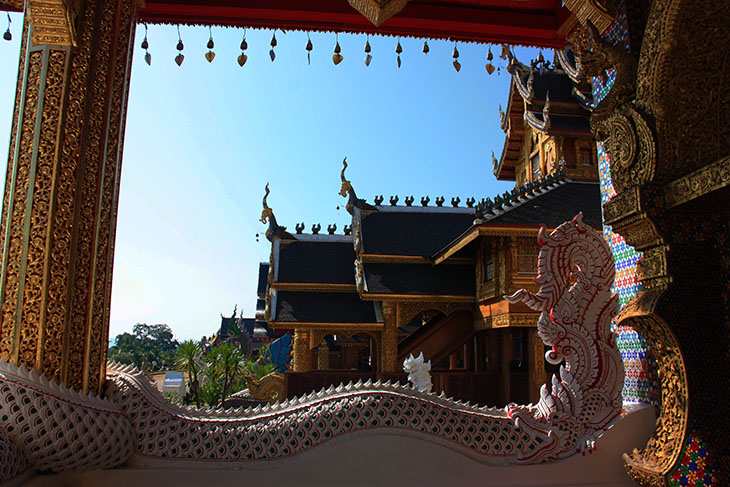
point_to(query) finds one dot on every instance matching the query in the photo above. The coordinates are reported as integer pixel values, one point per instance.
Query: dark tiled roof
(557, 83)
(263, 278)
(567, 123)
(323, 307)
(317, 262)
(411, 233)
(556, 206)
(457, 279)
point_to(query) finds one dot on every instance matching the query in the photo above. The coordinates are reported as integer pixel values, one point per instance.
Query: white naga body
(419, 372)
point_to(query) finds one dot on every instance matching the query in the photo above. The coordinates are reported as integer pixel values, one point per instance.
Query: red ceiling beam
(436, 21)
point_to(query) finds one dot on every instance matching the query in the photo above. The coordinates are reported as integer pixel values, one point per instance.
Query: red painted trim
(526, 24)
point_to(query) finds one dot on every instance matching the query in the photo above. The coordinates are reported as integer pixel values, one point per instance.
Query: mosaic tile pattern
(640, 384)
(695, 468)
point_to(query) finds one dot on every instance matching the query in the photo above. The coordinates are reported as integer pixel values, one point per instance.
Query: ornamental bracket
(378, 11)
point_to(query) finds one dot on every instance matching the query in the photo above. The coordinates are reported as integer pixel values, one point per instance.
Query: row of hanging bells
(337, 57)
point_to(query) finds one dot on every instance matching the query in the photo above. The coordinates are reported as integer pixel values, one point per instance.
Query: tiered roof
(547, 99)
(400, 252)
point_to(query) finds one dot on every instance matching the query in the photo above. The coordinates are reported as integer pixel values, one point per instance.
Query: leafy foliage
(188, 357)
(223, 374)
(150, 347)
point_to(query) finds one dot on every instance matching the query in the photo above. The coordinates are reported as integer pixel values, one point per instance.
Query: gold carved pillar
(302, 351)
(61, 190)
(323, 356)
(389, 338)
(505, 359)
(536, 362)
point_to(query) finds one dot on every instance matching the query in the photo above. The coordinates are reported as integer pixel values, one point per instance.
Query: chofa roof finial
(267, 216)
(266, 213)
(346, 189)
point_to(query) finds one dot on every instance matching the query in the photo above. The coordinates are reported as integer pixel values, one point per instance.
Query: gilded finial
(266, 213)
(267, 216)
(346, 190)
(346, 186)
(546, 111)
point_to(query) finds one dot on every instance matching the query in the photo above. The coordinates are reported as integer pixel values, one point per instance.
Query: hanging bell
(398, 48)
(309, 46)
(540, 58)
(210, 44)
(367, 47)
(489, 55)
(244, 45)
(273, 40)
(180, 45)
(455, 54)
(7, 35)
(425, 49)
(145, 44)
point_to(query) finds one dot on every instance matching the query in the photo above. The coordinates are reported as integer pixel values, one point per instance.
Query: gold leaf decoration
(490, 68)
(209, 56)
(242, 59)
(337, 59)
(179, 59)
(378, 11)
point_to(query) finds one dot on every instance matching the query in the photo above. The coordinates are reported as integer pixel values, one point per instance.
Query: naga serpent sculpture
(46, 426)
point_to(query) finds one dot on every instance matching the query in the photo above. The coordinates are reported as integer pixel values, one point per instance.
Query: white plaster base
(392, 460)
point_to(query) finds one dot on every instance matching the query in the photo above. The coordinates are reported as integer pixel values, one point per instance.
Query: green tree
(188, 357)
(223, 374)
(150, 346)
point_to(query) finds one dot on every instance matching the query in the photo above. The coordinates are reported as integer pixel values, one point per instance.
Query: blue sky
(203, 139)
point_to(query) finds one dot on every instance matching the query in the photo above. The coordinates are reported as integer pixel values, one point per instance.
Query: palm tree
(230, 361)
(188, 358)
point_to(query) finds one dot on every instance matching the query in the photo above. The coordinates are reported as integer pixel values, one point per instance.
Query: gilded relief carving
(683, 68)
(12, 267)
(41, 180)
(57, 275)
(650, 465)
(54, 21)
(705, 180)
(616, 121)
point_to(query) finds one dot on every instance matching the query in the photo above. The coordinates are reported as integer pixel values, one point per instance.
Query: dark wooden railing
(483, 388)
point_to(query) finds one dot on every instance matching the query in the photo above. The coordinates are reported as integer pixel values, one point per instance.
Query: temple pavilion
(658, 99)
(427, 278)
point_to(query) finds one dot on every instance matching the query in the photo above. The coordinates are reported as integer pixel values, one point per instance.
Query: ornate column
(536, 363)
(323, 356)
(302, 352)
(62, 185)
(506, 358)
(389, 339)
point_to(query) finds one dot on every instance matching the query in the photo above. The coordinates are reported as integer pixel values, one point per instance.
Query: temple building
(419, 278)
(657, 71)
(546, 122)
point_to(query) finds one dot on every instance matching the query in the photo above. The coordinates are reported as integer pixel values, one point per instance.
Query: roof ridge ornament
(378, 11)
(267, 216)
(346, 189)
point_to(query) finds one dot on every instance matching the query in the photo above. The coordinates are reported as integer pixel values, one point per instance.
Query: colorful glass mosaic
(695, 467)
(640, 385)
